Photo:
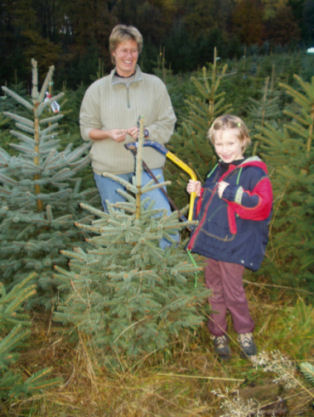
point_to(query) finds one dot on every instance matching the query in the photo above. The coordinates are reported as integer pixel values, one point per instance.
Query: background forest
(73, 36)
(70, 346)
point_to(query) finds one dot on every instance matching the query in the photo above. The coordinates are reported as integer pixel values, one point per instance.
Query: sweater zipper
(128, 96)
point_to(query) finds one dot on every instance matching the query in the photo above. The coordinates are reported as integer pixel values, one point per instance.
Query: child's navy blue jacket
(234, 228)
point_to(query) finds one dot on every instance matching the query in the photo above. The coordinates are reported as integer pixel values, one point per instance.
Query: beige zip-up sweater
(115, 103)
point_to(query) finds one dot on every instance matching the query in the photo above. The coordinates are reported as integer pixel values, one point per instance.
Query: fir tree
(39, 192)
(190, 141)
(14, 334)
(263, 110)
(289, 153)
(125, 293)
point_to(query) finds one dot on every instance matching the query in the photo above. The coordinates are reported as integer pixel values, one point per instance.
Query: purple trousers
(225, 281)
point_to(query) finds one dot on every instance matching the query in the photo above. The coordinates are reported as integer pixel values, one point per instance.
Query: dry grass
(181, 381)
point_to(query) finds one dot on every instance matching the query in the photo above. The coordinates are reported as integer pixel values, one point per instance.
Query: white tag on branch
(54, 105)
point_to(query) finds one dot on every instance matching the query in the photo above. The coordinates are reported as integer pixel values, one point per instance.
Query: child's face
(227, 145)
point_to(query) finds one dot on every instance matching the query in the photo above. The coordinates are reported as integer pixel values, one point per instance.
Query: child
(233, 208)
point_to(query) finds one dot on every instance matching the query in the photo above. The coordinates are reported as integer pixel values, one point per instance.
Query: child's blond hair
(229, 121)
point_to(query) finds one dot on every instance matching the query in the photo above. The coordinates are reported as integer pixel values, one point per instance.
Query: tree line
(74, 35)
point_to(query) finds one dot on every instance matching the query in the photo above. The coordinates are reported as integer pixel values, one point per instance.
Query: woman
(110, 110)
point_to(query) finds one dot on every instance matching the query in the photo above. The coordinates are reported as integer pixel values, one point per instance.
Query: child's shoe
(221, 346)
(247, 344)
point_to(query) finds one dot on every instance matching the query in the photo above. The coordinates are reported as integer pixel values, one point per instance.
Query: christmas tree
(262, 110)
(190, 141)
(15, 332)
(39, 191)
(288, 150)
(126, 295)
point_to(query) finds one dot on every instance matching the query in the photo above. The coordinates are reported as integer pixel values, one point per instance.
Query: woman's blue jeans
(107, 189)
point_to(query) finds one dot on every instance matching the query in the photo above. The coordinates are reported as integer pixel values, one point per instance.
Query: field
(274, 94)
(186, 379)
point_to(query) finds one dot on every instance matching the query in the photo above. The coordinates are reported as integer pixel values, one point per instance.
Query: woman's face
(126, 56)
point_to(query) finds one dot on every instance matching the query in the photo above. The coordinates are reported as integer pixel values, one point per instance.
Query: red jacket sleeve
(251, 205)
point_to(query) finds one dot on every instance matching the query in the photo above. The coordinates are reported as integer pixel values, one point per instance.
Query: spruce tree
(262, 110)
(126, 294)
(288, 149)
(39, 191)
(190, 141)
(14, 335)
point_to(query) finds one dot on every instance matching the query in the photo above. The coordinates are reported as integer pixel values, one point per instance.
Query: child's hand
(194, 187)
(222, 185)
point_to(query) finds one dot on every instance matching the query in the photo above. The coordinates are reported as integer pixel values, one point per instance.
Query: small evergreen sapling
(39, 192)
(263, 110)
(129, 296)
(14, 333)
(307, 370)
(289, 153)
(190, 141)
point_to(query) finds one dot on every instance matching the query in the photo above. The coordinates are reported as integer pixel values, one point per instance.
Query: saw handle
(162, 149)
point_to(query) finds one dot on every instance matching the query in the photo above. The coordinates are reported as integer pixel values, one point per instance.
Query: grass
(186, 379)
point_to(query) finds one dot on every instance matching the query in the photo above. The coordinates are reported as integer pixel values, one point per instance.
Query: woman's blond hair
(229, 121)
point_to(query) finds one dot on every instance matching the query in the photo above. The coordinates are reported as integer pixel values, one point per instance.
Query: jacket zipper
(190, 245)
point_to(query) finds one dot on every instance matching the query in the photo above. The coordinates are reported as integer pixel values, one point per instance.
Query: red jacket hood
(254, 161)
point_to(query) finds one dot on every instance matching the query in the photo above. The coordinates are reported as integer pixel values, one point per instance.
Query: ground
(186, 379)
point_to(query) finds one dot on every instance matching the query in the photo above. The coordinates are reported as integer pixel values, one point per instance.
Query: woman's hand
(118, 135)
(194, 187)
(133, 132)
